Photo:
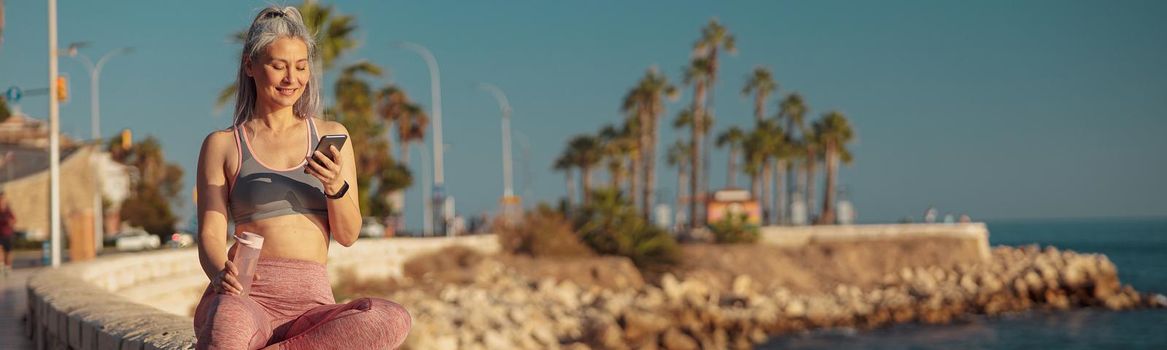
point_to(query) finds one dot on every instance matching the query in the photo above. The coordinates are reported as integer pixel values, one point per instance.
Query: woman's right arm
(211, 189)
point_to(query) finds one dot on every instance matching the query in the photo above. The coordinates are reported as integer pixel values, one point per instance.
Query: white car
(136, 240)
(371, 228)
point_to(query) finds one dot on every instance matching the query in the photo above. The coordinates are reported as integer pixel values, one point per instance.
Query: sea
(1137, 246)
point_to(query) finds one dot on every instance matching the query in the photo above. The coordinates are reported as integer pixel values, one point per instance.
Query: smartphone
(330, 140)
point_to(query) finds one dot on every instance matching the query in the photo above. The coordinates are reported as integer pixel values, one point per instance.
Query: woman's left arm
(335, 169)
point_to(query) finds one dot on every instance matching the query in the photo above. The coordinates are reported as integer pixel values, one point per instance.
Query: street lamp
(427, 222)
(54, 143)
(436, 97)
(95, 126)
(509, 201)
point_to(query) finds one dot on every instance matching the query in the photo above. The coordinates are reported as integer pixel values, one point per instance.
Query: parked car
(371, 228)
(136, 239)
(180, 239)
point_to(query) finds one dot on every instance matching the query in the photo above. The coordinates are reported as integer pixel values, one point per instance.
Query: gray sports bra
(261, 192)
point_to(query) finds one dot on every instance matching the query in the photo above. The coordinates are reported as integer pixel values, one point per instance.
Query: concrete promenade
(14, 302)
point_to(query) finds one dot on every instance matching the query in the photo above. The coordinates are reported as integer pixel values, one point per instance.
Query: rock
(1158, 301)
(742, 285)
(674, 339)
(639, 325)
(796, 308)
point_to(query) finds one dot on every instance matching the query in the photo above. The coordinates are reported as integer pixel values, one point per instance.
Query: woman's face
(281, 73)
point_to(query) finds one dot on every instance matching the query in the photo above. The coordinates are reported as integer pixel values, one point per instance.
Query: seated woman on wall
(263, 170)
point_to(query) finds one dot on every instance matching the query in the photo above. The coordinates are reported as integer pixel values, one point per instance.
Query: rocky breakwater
(501, 308)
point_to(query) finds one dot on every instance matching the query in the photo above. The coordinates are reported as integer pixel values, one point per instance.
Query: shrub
(611, 225)
(734, 229)
(543, 232)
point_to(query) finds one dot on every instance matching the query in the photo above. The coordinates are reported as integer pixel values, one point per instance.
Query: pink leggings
(291, 306)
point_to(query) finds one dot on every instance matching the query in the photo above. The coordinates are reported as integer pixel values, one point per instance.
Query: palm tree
(334, 39)
(678, 156)
(698, 74)
(769, 144)
(811, 153)
(646, 102)
(732, 137)
(565, 163)
(834, 132)
(408, 118)
(394, 108)
(617, 145)
(760, 83)
(714, 38)
(754, 159)
(792, 109)
(586, 154)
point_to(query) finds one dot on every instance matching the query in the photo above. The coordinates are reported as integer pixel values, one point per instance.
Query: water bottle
(246, 258)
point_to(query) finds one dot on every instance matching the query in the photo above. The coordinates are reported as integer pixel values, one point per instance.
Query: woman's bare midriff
(301, 237)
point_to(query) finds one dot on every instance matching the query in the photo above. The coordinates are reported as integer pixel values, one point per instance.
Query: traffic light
(62, 89)
(127, 136)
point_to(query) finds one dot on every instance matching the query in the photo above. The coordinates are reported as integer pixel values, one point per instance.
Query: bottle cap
(251, 240)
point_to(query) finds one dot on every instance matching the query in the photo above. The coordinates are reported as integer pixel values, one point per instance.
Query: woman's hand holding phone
(325, 163)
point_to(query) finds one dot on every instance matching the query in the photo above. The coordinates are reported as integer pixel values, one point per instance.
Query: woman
(264, 173)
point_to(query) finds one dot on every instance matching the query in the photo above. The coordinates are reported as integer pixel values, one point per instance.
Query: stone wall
(143, 300)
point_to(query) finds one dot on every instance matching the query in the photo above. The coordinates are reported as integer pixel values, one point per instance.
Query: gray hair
(271, 24)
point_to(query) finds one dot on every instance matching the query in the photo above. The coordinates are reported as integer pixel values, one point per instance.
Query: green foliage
(611, 225)
(4, 112)
(542, 232)
(734, 229)
(156, 188)
(149, 209)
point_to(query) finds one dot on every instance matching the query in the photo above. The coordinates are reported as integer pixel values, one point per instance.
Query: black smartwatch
(340, 193)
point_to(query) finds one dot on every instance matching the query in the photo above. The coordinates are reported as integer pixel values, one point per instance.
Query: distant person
(7, 229)
(262, 172)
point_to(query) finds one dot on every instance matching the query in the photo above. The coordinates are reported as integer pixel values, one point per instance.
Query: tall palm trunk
(650, 165)
(697, 138)
(759, 107)
(637, 173)
(810, 180)
(585, 174)
(768, 201)
(615, 178)
(731, 173)
(570, 187)
(755, 187)
(682, 182)
(828, 213)
(799, 188)
(780, 186)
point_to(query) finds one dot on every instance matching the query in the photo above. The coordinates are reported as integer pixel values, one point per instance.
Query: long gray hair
(274, 23)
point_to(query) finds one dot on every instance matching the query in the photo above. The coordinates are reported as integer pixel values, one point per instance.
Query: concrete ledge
(142, 301)
(797, 236)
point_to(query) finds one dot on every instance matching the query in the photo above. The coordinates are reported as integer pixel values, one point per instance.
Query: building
(24, 177)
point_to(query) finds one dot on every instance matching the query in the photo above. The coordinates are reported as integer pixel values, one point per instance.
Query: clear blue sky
(998, 109)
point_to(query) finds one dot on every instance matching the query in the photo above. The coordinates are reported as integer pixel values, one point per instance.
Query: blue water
(1137, 246)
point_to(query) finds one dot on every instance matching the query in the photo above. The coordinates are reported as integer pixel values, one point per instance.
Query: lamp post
(427, 220)
(95, 126)
(436, 98)
(54, 143)
(509, 201)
